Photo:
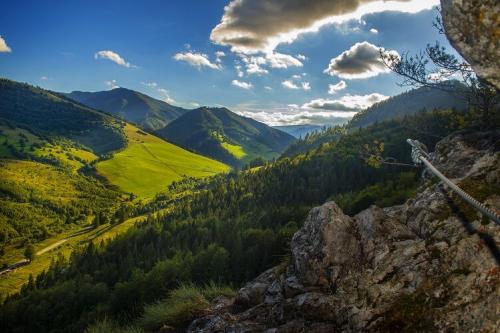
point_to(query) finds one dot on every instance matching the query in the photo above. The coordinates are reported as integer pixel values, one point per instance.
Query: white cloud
(44, 78)
(166, 95)
(150, 84)
(196, 59)
(241, 84)
(289, 84)
(335, 88)
(374, 31)
(347, 103)
(293, 115)
(361, 61)
(301, 57)
(114, 57)
(239, 71)
(252, 26)
(112, 84)
(3, 46)
(220, 54)
(268, 88)
(280, 60)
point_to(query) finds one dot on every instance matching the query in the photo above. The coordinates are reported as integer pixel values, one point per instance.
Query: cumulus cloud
(293, 115)
(111, 84)
(289, 84)
(374, 31)
(361, 61)
(3, 46)
(335, 88)
(251, 26)
(196, 59)
(348, 103)
(241, 84)
(301, 57)
(114, 57)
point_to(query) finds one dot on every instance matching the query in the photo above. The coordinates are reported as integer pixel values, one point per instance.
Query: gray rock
(472, 26)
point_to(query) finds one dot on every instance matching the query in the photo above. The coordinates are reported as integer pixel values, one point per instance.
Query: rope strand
(420, 155)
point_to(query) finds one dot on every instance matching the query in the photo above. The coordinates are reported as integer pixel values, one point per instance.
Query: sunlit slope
(148, 164)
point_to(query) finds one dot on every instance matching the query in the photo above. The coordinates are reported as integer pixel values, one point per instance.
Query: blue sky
(274, 62)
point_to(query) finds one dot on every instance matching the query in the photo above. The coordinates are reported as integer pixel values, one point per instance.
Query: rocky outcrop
(473, 28)
(429, 265)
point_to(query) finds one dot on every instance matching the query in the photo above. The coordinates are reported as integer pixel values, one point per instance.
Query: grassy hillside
(147, 112)
(48, 114)
(226, 136)
(149, 164)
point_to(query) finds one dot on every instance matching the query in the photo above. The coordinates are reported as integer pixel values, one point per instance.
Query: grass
(235, 150)
(108, 326)
(182, 306)
(148, 164)
(64, 151)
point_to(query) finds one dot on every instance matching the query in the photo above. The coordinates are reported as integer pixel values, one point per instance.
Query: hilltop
(408, 103)
(226, 136)
(133, 106)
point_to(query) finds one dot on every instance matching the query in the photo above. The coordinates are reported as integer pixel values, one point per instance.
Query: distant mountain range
(299, 131)
(133, 106)
(226, 136)
(408, 103)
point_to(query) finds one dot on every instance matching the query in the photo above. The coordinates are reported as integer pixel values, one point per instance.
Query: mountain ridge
(131, 105)
(226, 136)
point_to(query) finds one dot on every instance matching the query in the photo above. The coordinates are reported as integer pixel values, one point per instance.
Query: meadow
(149, 164)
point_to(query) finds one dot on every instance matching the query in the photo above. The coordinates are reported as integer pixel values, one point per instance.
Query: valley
(249, 166)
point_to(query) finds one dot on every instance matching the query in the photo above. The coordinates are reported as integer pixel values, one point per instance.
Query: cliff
(429, 265)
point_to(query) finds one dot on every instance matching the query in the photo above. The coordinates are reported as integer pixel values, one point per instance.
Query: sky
(278, 61)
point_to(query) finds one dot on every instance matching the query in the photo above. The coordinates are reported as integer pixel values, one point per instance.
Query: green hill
(51, 115)
(133, 106)
(226, 136)
(408, 103)
(149, 164)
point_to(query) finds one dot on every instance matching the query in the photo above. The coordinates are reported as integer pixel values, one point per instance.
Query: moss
(410, 313)
(461, 271)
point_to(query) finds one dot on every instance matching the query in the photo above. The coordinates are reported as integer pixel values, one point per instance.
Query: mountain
(49, 114)
(409, 103)
(133, 106)
(299, 131)
(226, 136)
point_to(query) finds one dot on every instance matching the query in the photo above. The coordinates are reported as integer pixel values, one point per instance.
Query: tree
(30, 252)
(436, 68)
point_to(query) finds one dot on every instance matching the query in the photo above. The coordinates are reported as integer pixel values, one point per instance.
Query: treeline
(228, 232)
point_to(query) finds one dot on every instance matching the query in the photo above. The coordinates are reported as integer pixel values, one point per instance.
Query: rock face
(473, 28)
(424, 266)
